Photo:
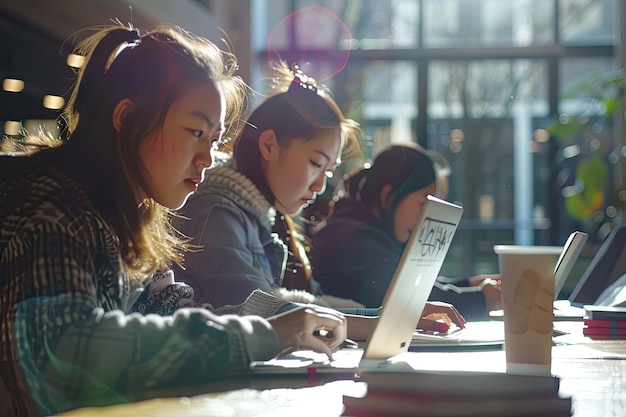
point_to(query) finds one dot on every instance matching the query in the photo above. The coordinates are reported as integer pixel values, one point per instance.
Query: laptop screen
(565, 263)
(606, 267)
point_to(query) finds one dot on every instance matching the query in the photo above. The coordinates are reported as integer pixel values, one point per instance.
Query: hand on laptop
(436, 311)
(310, 327)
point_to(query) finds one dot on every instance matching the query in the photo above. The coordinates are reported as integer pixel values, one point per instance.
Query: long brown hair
(150, 69)
(299, 109)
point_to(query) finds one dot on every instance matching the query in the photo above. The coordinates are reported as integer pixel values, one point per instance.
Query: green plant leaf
(611, 105)
(577, 209)
(592, 172)
(564, 130)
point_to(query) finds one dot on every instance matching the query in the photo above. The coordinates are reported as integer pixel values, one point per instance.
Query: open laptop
(404, 300)
(600, 284)
(604, 272)
(483, 335)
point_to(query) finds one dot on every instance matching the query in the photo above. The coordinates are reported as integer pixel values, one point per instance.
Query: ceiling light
(12, 128)
(53, 102)
(75, 61)
(12, 85)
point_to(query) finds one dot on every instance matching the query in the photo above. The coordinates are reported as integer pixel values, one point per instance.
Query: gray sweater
(231, 223)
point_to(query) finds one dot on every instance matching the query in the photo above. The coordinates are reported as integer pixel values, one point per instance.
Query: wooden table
(593, 373)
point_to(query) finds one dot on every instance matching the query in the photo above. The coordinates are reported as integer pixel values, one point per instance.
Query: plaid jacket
(77, 331)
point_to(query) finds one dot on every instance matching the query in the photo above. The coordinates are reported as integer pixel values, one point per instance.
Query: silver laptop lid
(571, 250)
(607, 266)
(413, 279)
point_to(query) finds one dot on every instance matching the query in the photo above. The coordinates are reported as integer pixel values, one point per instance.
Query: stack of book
(458, 394)
(603, 323)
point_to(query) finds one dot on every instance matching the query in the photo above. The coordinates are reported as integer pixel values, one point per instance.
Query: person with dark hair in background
(358, 249)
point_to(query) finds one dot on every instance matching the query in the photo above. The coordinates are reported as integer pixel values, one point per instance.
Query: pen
(323, 333)
(347, 343)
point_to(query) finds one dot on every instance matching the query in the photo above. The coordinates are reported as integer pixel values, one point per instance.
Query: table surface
(591, 372)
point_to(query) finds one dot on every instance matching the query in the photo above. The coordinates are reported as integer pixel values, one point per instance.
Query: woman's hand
(310, 327)
(436, 311)
(490, 285)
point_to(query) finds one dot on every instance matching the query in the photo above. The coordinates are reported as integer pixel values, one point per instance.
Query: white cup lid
(527, 250)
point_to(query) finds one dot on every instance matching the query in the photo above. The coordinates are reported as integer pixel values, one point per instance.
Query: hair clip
(302, 80)
(131, 38)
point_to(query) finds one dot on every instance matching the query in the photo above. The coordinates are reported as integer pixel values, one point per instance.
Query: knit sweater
(68, 331)
(231, 221)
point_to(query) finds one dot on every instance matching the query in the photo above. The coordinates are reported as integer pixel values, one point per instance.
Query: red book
(611, 324)
(604, 331)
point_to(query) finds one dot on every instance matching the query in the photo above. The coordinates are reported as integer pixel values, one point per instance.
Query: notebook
(566, 261)
(404, 300)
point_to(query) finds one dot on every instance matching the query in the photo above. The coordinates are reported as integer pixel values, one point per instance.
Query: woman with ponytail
(86, 237)
(359, 248)
(239, 218)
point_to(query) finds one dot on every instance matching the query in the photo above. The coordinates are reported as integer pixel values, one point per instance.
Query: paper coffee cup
(527, 274)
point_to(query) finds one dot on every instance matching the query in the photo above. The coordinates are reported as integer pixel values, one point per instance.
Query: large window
(385, 94)
(483, 23)
(487, 83)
